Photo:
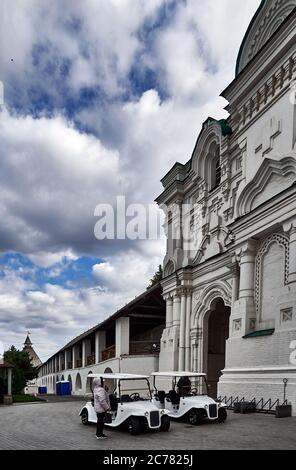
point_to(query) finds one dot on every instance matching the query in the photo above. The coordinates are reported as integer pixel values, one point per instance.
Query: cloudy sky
(101, 97)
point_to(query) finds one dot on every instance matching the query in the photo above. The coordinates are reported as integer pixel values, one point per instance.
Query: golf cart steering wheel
(135, 396)
(194, 391)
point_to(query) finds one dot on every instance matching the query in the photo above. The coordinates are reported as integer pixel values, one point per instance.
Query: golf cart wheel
(84, 417)
(195, 417)
(134, 426)
(165, 423)
(222, 415)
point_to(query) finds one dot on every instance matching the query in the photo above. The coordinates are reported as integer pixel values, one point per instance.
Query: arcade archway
(216, 333)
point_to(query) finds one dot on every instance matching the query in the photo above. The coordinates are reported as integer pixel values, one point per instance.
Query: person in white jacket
(101, 406)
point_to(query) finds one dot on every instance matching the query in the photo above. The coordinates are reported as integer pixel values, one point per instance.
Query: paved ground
(56, 425)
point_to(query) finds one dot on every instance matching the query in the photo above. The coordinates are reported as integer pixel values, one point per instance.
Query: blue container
(42, 390)
(63, 388)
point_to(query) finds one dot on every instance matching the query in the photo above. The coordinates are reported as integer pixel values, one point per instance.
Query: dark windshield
(135, 389)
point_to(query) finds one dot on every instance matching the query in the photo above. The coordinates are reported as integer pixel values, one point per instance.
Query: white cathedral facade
(230, 268)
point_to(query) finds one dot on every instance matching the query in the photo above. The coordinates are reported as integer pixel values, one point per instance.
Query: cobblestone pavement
(57, 426)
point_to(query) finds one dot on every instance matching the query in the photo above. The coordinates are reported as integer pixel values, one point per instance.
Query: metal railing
(144, 347)
(90, 360)
(261, 406)
(108, 353)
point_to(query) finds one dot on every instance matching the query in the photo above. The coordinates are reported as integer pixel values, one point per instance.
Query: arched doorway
(216, 333)
(110, 383)
(70, 382)
(78, 383)
(88, 383)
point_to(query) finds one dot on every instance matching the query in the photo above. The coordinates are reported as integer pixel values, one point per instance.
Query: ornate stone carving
(283, 168)
(237, 324)
(271, 130)
(228, 213)
(229, 239)
(281, 240)
(195, 299)
(267, 91)
(286, 315)
(213, 291)
(169, 268)
(268, 18)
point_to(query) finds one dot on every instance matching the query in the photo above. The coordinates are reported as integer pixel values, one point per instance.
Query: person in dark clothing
(184, 386)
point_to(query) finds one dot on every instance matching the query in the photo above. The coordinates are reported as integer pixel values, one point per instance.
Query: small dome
(266, 21)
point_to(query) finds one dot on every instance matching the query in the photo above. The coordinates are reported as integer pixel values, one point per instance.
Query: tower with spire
(31, 387)
(28, 347)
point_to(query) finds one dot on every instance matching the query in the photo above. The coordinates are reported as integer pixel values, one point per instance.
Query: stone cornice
(275, 211)
(263, 95)
(269, 17)
(212, 264)
(272, 53)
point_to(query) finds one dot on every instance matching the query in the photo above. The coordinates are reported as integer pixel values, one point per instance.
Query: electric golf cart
(188, 399)
(133, 409)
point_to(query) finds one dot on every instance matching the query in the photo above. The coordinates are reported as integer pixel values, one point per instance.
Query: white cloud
(130, 272)
(52, 175)
(54, 315)
(99, 38)
(46, 259)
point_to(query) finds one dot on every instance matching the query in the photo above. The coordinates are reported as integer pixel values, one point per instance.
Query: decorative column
(169, 351)
(169, 312)
(182, 331)
(292, 255)
(243, 314)
(84, 353)
(247, 271)
(176, 310)
(195, 355)
(235, 282)
(66, 359)
(122, 336)
(100, 345)
(73, 357)
(178, 232)
(187, 330)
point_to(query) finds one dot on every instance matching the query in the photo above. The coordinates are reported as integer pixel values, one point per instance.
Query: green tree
(23, 368)
(156, 278)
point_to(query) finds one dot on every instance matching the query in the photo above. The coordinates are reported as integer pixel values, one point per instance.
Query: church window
(215, 172)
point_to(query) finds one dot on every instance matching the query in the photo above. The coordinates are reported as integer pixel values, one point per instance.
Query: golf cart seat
(113, 402)
(125, 398)
(173, 397)
(161, 396)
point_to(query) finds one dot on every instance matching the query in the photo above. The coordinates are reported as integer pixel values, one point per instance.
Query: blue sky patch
(70, 274)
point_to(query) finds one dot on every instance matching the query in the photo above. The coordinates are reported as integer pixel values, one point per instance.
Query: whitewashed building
(128, 342)
(230, 273)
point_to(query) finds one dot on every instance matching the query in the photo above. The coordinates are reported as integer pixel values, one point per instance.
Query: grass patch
(21, 398)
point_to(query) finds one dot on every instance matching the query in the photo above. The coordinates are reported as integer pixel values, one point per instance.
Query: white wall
(144, 364)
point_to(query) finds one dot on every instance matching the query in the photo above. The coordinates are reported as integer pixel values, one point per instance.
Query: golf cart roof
(118, 376)
(178, 374)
